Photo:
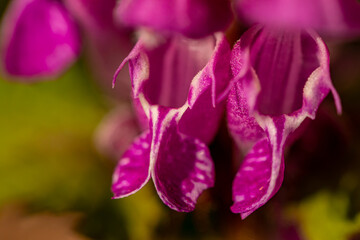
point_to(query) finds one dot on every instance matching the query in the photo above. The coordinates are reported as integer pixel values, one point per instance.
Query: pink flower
(39, 39)
(279, 79)
(176, 83)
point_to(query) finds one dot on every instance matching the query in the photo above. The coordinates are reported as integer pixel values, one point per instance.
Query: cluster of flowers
(184, 74)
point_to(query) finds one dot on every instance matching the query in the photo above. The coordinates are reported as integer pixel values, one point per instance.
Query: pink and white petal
(278, 66)
(39, 39)
(133, 169)
(205, 110)
(245, 87)
(173, 65)
(261, 173)
(192, 18)
(242, 124)
(182, 166)
(317, 86)
(164, 70)
(306, 82)
(283, 62)
(139, 74)
(183, 170)
(215, 74)
(319, 83)
(138, 68)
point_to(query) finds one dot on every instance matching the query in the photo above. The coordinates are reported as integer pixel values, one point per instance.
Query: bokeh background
(55, 179)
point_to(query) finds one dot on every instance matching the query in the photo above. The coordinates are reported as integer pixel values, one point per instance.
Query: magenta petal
(177, 84)
(202, 118)
(175, 72)
(276, 72)
(40, 39)
(261, 173)
(183, 169)
(133, 169)
(279, 79)
(192, 18)
(243, 126)
(334, 17)
(172, 65)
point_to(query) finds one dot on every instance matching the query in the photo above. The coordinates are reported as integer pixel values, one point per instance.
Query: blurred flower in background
(61, 140)
(39, 39)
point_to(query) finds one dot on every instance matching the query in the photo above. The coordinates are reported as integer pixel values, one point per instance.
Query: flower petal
(334, 17)
(202, 118)
(133, 169)
(183, 168)
(261, 173)
(40, 38)
(280, 78)
(176, 71)
(173, 64)
(276, 66)
(192, 18)
(243, 126)
(162, 71)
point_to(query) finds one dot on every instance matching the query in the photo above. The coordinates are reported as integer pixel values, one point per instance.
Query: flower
(280, 77)
(331, 17)
(176, 83)
(39, 39)
(192, 18)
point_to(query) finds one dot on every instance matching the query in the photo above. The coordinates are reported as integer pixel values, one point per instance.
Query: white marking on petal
(145, 145)
(124, 161)
(123, 183)
(201, 155)
(248, 168)
(115, 177)
(202, 166)
(239, 198)
(200, 176)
